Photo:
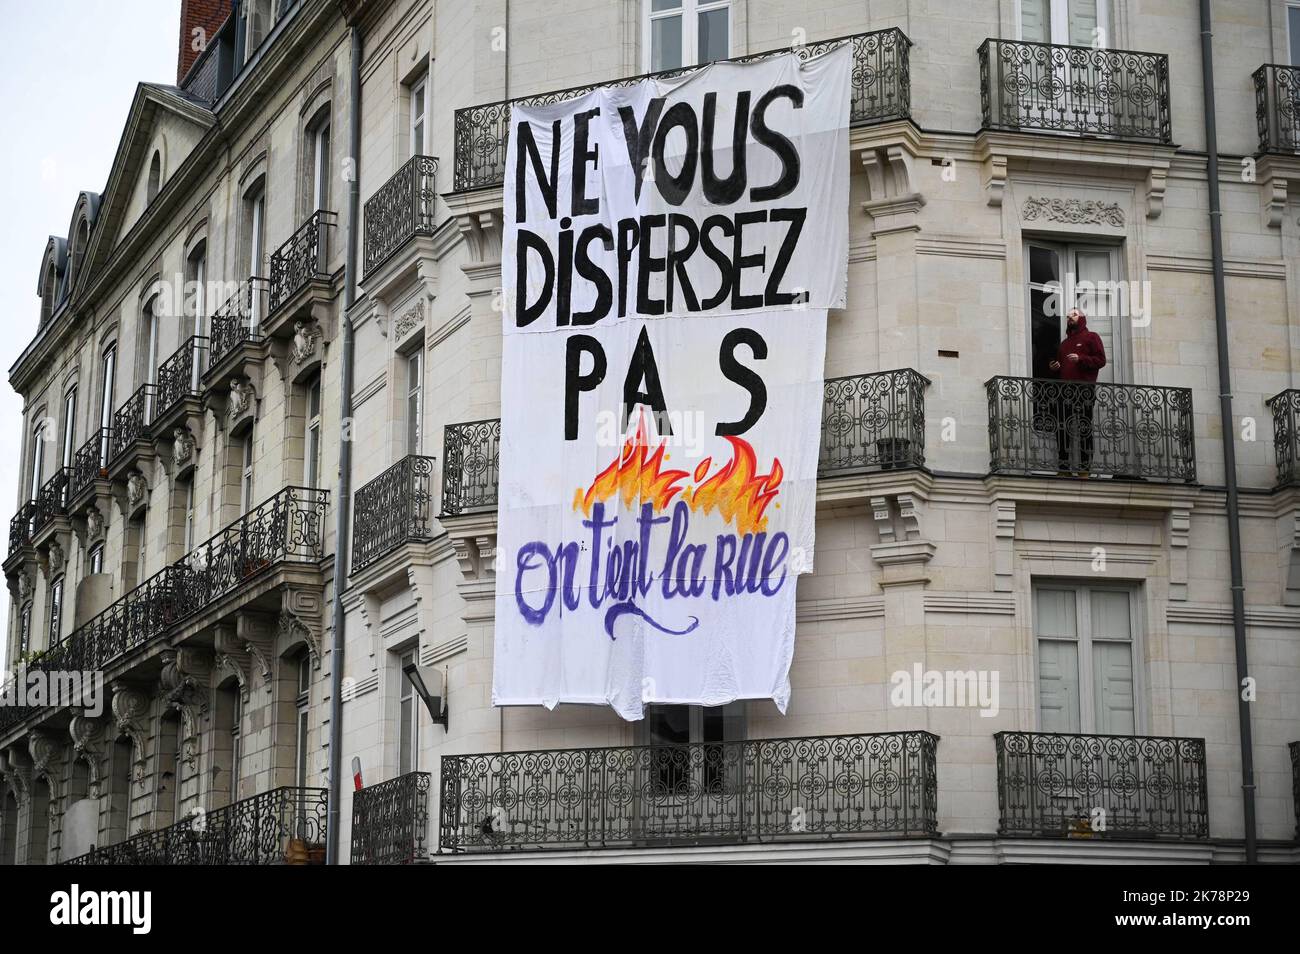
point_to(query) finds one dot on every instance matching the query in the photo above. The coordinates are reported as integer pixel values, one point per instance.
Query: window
(25, 630)
(56, 611)
(69, 426)
(36, 475)
(255, 244)
(320, 165)
(257, 24)
(302, 702)
(419, 110)
(1062, 277)
(236, 739)
(197, 299)
(155, 177)
(414, 400)
(679, 725)
(1293, 32)
(150, 328)
(189, 516)
(407, 721)
(49, 292)
(246, 473)
(686, 32)
(1066, 22)
(1085, 642)
(96, 559)
(108, 370)
(311, 466)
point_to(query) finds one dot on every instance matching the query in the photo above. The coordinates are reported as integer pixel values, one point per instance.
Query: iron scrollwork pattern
(1095, 786)
(390, 821)
(1117, 430)
(1075, 89)
(52, 501)
(881, 91)
(178, 376)
(20, 527)
(301, 259)
(394, 507)
(402, 208)
(287, 528)
(131, 420)
(1277, 107)
(235, 322)
(470, 466)
(1286, 436)
(90, 461)
(818, 787)
(283, 826)
(873, 421)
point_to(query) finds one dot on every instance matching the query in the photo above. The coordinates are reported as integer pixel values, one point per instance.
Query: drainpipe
(1229, 430)
(343, 504)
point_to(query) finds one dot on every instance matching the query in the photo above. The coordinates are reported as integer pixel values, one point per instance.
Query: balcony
(814, 788)
(178, 390)
(20, 528)
(234, 328)
(300, 280)
(89, 464)
(390, 821)
(873, 422)
(1101, 786)
(881, 92)
(285, 826)
(1286, 436)
(1075, 90)
(287, 528)
(402, 209)
(394, 508)
(1137, 432)
(470, 467)
(1277, 108)
(130, 437)
(51, 501)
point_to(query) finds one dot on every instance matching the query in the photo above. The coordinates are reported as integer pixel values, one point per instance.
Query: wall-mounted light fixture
(431, 686)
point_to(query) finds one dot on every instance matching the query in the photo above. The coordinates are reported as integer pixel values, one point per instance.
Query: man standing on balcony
(1078, 359)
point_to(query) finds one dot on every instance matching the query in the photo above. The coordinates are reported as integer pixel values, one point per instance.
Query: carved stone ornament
(409, 319)
(56, 558)
(24, 586)
(136, 490)
(1073, 211)
(306, 339)
(241, 397)
(94, 524)
(182, 446)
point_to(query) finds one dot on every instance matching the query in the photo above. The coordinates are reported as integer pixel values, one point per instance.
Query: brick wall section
(205, 15)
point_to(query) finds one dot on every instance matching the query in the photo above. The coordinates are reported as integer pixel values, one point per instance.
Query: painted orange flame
(739, 493)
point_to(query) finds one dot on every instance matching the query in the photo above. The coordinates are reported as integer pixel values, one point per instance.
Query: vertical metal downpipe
(343, 505)
(1229, 430)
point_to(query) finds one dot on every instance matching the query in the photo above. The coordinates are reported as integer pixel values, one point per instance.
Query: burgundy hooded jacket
(1087, 345)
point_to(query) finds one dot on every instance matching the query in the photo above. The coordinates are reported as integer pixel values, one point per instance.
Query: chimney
(200, 21)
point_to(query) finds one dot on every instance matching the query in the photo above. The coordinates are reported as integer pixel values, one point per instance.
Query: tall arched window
(155, 176)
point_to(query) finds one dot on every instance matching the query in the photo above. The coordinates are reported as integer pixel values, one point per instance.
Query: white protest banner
(670, 250)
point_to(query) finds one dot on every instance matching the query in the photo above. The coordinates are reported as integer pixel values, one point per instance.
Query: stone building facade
(996, 183)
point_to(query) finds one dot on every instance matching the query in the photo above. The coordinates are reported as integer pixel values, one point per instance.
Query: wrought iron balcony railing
(390, 821)
(402, 209)
(818, 787)
(881, 92)
(1286, 435)
(287, 528)
(131, 420)
(236, 321)
(395, 507)
(471, 458)
(1277, 107)
(1101, 786)
(872, 421)
(91, 461)
(1079, 90)
(1294, 748)
(279, 827)
(52, 501)
(1117, 430)
(21, 527)
(178, 376)
(301, 260)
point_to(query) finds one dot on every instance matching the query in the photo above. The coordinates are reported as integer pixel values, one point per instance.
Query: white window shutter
(1113, 688)
(1058, 685)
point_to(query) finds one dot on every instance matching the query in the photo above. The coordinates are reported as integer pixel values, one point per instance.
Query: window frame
(246, 459)
(1292, 9)
(312, 434)
(54, 613)
(302, 724)
(1058, 24)
(1084, 640)
(320, 163)
(95, 559)
(414, 409)
(689, 12)
(418, 88)
(1119, 349)
(408, 715)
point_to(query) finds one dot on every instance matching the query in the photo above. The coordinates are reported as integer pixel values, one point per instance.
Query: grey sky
(66, 81)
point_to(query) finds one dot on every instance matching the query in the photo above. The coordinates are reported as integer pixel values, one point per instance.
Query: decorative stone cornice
(1073, 211)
